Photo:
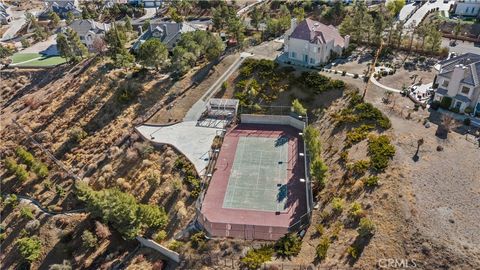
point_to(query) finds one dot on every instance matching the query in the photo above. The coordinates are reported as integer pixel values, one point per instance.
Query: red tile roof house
(311, 43)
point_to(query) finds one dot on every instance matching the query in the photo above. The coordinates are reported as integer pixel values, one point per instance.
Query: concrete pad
(193, 141)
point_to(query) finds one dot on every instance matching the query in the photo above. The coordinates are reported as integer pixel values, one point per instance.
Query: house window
(473, 10)
(467, 9)
(445, 83)
(312, 61)
(465, 90)
(292, 55)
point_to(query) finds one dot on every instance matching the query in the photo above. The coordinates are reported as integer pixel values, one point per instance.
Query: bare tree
(448, 122)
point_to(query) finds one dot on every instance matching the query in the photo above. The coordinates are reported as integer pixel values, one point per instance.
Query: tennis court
(259, 175)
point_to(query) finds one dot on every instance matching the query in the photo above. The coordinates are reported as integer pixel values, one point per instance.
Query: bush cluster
(190, 174)
(380, 151)
(289, 245)
(38, 167)
(121, 210)
(322, 248)
(319, 83)
(14, 168)
(357, 135)
(256, 257)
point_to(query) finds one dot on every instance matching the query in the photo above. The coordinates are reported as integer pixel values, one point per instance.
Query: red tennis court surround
(249, 223)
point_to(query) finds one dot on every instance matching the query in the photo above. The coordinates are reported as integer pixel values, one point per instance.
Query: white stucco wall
(468, 8)
(318, 52)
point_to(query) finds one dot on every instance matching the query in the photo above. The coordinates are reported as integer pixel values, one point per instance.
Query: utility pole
(371, 70)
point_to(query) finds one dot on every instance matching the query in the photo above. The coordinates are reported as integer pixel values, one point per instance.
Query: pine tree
(128, 23)
(153, 53)
(64, 47)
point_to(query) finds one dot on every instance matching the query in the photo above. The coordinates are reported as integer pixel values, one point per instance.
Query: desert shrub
(89, 240)
(144, 149)
(352, 251)
(360, 111)
(40, 169)
(380, 152)
(298, 107)
(359, 167)
(256, 257)
(26, 212)
(77, 134)
(344, 73)
(101, 230)
(355, 210)
(198, 240)
(338, 204)
(160, 236)
(25, 156)
(66, 265)
(128, 91)
(14, 168)
(319, 83)
(175, 245)
(32, 225)
(344, 156)
(289, 245)
(366, 227)
(11, 200)
(322, 248)
(370, 181)
(319, 229)
(121, 210)
(355, 76)
(337, 228)
(60, 190)
(357, 135)
(194, 185)
(30, 248)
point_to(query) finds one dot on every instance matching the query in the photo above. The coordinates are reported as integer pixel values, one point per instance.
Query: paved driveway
(193, 141)
(461, 47)
(47, 47)
(422, 11)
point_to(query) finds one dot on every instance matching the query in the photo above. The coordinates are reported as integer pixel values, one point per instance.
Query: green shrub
(198, 240)
(77, 134)
(289, 245)
(26, 212)
(128, 91)
(380, 152)
(175, 245)
(14, 168)
(371, 181)
(319, 170)
(40, 169)
(352, 251)
(30, 248)
(25, 156)
(256, 257)
(358, 134)
(446, 102)
(355, 211)
(359, 167)
(338, 204)
(11, 200)
(311, 137)
(89, 240)
(322, 248)
(298, 107)
(160, 236)
(337, 228)
(467, 121)
(319, 228)
(366, 227)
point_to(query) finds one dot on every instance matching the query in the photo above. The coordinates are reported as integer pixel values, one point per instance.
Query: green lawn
(21, 57)
(41, 62)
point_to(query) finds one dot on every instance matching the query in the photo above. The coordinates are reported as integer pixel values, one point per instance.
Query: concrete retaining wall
(172, 255)
(272, 120)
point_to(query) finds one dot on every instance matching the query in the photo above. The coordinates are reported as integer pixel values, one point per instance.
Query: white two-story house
(311, 43)
(459, 79)
(467, 8)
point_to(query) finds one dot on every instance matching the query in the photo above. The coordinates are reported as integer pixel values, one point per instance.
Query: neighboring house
(62, 7)
(467, 8)
(167, 32)
(459, 79)
(89, 30)
(146, 3)
(5, 17)
(312, 43)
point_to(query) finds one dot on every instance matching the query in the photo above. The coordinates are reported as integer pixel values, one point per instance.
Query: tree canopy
(121, 210)
(153, 53)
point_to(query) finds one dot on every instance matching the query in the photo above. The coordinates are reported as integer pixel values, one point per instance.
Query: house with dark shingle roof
(459, 79)
(167, 32)
(311, 43)
(62, 8)
(89, 30)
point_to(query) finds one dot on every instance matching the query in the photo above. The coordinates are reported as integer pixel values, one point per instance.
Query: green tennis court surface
(259, 175)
